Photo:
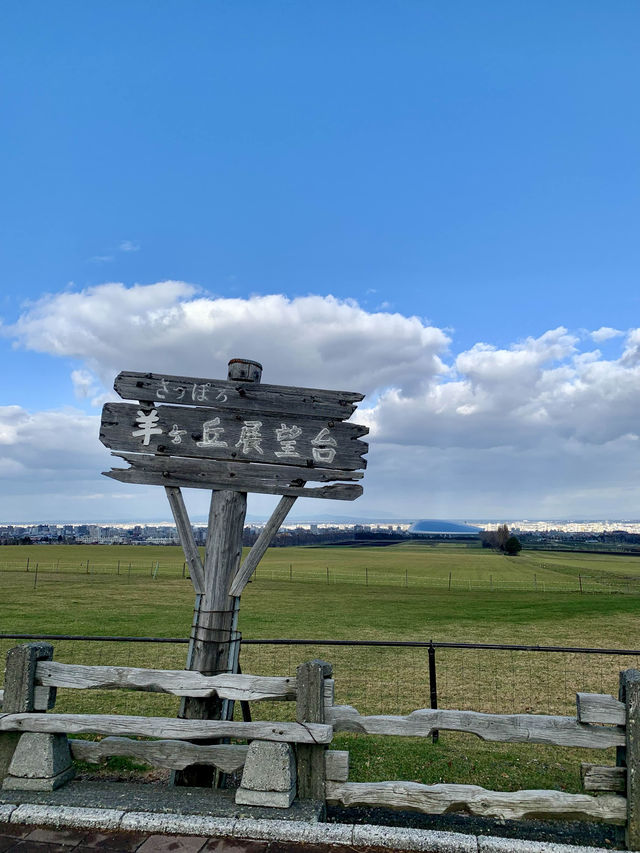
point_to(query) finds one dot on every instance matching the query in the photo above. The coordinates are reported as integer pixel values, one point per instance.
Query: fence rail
(381, 676)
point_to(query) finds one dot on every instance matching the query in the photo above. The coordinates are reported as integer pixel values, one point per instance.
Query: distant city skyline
(432, 204)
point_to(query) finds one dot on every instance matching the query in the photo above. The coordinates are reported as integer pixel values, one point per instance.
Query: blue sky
(471, 165)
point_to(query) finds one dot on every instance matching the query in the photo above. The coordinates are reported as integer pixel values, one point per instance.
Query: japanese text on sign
(249, 438)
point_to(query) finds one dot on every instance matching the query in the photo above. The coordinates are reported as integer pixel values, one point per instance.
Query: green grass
(410, 564)
(531, 599)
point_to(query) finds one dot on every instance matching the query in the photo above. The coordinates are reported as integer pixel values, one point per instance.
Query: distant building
(435, 528)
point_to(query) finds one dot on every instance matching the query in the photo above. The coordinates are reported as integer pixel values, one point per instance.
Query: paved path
(15, 838)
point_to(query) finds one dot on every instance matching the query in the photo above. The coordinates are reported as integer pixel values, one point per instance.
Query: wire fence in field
(377, 677)
(569, 579)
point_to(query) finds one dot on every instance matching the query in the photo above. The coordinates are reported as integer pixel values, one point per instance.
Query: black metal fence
(378, 676)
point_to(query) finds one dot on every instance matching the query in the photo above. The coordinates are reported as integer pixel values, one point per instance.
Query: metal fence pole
(433, 687)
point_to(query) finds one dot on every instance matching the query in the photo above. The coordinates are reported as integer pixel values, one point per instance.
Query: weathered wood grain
(596, 777)
(185, 534)
(165, 727)
(506, 728)
(335, 492)
(179, 682)
(329, 693)
(170, 754)
(249, 397)
(231, 435)
(599, 708)
(213, 649)
(310, 710)
(20, 676)
(44, 698)
(477, 801)
(228, 472)
(630, 680)
(336, 765)
(250, 562)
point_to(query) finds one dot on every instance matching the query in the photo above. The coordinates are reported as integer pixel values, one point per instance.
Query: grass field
(391, 593)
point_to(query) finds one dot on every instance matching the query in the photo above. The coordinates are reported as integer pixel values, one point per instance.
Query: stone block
(274, 799)
(41, 762)
(269, 776)
(48, 783)
(269, 766)
(8, 743)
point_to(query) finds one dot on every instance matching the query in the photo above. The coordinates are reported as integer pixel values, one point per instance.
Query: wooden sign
(232, 436)
(273, 438)
(247, 396)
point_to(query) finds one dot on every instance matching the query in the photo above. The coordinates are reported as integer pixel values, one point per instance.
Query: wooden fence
(612, 793)
(601, 722)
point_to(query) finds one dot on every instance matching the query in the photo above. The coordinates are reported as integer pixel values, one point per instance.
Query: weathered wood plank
(228, 472)
(185, 534)
(599, 708)
(335, 492)
(596, 777)
(170, 754)
(329, 693)
(222, 394)
(506, 728)
(179, 682)
(631, 691)
(44, 698)
(186, 431)
(20, 676)
(336, 765)
(165, 727)
(310, 710)
(250, 562)
(477, 801)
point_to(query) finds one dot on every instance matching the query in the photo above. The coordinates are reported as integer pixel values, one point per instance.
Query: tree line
(501, 540)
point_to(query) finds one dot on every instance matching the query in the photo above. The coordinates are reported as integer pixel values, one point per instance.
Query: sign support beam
(212, 639)
(250, 563)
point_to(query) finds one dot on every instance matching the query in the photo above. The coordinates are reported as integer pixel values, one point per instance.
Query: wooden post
(310, 709)
(433, 688)
(630, 695)
(19, 692)
(215, 608)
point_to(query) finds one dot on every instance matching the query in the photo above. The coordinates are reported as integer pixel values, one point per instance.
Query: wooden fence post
(20, 691)
(630, 695)
(215, 617)
(310, 709)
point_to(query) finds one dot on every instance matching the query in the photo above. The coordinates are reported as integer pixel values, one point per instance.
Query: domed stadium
(437, 529)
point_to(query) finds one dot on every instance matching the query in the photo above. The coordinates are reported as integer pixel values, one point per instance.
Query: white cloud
(84, 384)
(169, 327)
(544, 426)
(605, 333)
(129, 246)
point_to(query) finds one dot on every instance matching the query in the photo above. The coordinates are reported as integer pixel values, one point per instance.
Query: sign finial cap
(244, 370)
